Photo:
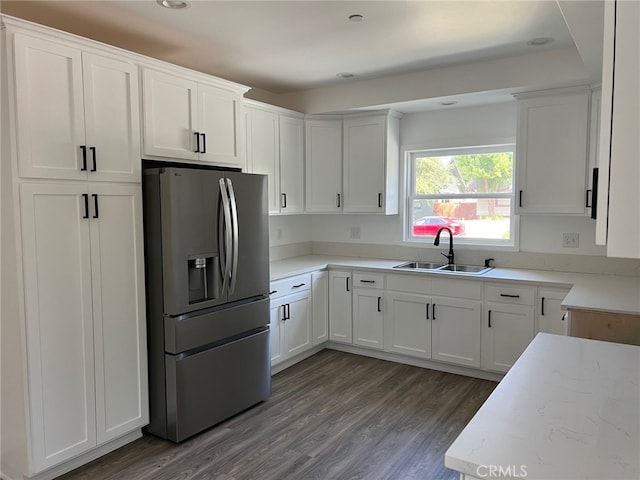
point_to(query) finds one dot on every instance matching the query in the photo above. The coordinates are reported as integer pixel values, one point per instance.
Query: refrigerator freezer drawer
(198, 329)
(208, 387)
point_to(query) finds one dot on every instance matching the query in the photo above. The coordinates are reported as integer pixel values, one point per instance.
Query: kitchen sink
(439, 268)
(472, 269)
(420, 266)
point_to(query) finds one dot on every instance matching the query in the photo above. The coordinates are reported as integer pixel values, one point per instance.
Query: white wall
(443, 128)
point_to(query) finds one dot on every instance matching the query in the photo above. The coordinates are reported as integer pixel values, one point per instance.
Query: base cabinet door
(119, 323)
(320, 307)
(456, 331)
(507, 332)
(59, 327)
(275, 332)
(407, 324)
(297, 328)
(368, 318)
(340, 303)
(551, 317)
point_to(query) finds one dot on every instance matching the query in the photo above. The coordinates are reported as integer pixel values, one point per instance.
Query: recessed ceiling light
(173, 4)
(447, 103)
(356, 17)
(538, 42)
(345, 75)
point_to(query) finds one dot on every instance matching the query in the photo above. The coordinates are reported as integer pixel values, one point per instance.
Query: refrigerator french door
(207, 266)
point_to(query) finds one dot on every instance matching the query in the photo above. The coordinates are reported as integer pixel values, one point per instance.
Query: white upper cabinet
(323, 161)
(552, 156)
(275, 147)
(187, 119)
(77, 113)
(371, 163)
(618, 220)
(291, 164)
(263, 151)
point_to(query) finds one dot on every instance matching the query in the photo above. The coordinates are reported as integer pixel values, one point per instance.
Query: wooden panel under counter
(607, 326)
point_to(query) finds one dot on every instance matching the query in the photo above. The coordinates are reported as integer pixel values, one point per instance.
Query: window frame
(495, 244)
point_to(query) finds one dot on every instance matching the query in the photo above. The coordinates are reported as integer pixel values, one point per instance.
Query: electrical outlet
(355, 232)
(570, 240)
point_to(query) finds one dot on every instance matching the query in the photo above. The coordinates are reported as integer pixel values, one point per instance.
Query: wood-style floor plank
(332, 416)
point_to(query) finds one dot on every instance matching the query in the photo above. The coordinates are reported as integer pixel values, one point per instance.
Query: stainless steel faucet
(437, 242)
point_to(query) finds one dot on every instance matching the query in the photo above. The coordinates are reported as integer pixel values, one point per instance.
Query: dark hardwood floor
(332, 416)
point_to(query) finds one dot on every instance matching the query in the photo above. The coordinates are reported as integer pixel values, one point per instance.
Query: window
(469, 190)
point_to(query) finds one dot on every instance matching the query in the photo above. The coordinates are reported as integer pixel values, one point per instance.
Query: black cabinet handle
(197, 150)
(367, 281)
(86, 205)
(284, 312)
(338, 197)
(427, 311)
(348, 284)
(594, 195)
(542, 307)
(93, 154)
(95, 205)
(284, 200)
(509, 296)
(379, 306)
(299, 285)
(586, 200)
(433, 311)
(273, 291)
(288, 311)
(204, 143)
(489, 318)
(380, 200)
(520, 199)
(564, 316)
(84, 158)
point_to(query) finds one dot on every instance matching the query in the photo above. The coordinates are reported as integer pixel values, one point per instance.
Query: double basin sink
(439, 268)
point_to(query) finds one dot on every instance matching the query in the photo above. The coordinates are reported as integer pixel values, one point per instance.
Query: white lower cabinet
(340, 307)
(444, 327)
(456, 331)
(407, 324)
(320, 307)
(85, 316)
(551, 317)
(368, 318)
(291, 329)
(509, 325)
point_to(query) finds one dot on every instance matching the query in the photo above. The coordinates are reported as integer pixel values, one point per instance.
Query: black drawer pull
(509, 296)
(338, 197)
(197, 150)
(348, 284)
(284, 201)
(367, 281)
(379, 306)
(273, 291)
(542, 307)
(520, 199)
(299, 285)
(489, 318)
(379, 200)
(433, 311)
(204, 143)
(427, 311)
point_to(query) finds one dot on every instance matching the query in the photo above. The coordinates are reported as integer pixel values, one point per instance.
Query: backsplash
(532, 261)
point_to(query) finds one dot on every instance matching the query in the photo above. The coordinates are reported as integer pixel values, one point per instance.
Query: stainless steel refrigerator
(207, 277)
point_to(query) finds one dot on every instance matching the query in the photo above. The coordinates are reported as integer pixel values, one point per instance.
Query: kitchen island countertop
(568, 409)
(607, 293)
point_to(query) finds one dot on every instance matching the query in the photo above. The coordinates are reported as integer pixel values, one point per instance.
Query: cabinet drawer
(286, 286)
(368, 280)
(468, 289)
(518, 294)
(409, 283)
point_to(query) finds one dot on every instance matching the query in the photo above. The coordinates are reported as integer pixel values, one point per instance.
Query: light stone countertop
(568, 409)
(609, 293)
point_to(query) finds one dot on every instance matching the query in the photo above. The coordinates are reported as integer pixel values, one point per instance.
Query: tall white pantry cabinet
(73, 314)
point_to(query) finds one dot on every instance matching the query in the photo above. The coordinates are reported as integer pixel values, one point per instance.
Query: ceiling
(290, 46)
